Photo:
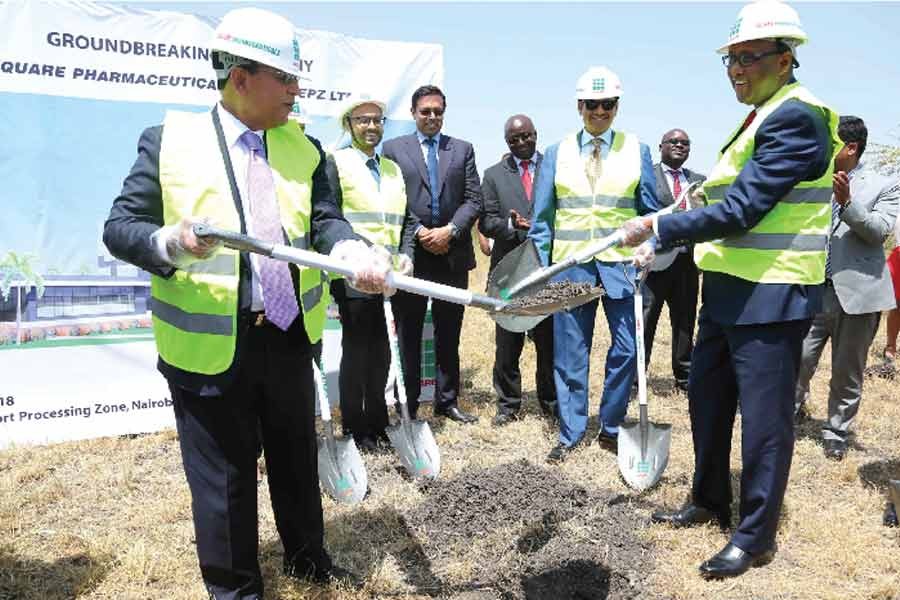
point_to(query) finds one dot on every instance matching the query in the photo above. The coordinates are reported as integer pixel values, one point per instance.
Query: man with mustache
(589, 185)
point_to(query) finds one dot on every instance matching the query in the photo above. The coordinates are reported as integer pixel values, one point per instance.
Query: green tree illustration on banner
(18, 270)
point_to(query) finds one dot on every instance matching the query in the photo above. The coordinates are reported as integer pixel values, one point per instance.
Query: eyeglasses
(521, 137)
(431, 112)
(678, 142)
(607, 103)
(366, 121)
(745, 59)
(281, 76)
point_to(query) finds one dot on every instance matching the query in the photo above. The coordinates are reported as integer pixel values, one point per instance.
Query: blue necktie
(433, 180)
(373, 167)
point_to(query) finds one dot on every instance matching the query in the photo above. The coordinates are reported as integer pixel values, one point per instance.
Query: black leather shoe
(559, 453)
(501, 419)
(608, 442)
(318, 569)
(890, 515)
(835, 449)
(690, 514)
(455, 414)
(731, 561)
(366, 444)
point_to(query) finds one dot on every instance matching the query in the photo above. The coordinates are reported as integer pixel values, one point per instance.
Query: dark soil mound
(570, 542)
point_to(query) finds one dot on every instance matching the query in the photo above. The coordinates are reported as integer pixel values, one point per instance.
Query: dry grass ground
(111, 519)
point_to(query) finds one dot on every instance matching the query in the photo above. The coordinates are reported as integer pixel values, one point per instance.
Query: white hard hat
(766, 19)
(598, 83)
(355, 103)
(257, 35)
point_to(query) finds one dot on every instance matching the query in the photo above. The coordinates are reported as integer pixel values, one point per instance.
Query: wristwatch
(454, 231)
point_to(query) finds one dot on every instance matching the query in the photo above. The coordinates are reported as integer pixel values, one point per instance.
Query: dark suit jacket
(460, 199)
(664, 194)
(792, 145)
(138, 211)
(502, 191)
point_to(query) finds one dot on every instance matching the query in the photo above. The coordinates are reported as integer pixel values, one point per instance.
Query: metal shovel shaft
(308, 258)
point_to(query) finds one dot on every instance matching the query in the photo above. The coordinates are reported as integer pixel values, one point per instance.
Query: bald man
(506, 218)
(676, 281)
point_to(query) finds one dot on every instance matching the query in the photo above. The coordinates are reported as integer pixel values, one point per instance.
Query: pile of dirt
(557, 291)
(569, 542)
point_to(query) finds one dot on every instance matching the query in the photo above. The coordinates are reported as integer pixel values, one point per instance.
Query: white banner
(79, 81)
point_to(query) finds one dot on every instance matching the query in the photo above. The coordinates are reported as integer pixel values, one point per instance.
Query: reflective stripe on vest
(375, 211)
(787, 246)
(195, 310)
(584, 215)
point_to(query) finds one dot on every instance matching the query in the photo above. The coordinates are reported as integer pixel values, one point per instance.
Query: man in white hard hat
(370, 191)
(589, 185)
(234, 331)
(760, 243)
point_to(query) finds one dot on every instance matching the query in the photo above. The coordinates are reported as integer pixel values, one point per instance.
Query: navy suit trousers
(756, 366)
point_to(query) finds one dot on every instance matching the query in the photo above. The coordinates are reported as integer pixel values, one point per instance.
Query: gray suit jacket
(862, 281)
(665, 259)
(503, 191)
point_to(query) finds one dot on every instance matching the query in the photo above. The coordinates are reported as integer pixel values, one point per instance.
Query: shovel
(412, 439)
(516, 316)
(514, 279)
(341, 469)
(643, 446)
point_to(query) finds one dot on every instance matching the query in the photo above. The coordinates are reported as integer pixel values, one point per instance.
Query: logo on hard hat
(598, 85)
(736, 28)
(250, 43)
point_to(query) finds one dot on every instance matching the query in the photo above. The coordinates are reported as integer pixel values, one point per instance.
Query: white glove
(370, 265)
(644, 254)
(178, 245)
(403, 265)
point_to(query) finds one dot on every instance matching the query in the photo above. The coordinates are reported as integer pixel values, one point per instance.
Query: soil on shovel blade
(556, 291)
(561, 540)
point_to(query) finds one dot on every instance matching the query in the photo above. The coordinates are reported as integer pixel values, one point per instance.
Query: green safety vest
(375, 211)
(788, 245)
(195, 310)
(584, 215)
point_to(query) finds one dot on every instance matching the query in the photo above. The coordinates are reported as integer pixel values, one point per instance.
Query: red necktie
(526, 178)
(676, 183)
(749, 119)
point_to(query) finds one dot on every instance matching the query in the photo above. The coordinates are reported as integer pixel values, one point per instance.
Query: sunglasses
(678, 142)
(281, 76)
(607, 104)
(521, 137)
(431, 112)
(745, 59)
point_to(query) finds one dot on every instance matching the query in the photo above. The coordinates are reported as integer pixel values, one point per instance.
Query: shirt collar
(422, 137)
(232, 127)
(519, 160)
(667, 168)
(859, 168)
(365, 157)
(606, 137)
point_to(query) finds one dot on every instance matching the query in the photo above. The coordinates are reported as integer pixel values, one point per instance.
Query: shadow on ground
(66, 578)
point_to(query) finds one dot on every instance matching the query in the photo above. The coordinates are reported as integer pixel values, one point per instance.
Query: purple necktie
(274, 276)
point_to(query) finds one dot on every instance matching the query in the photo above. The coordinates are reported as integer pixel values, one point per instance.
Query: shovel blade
(642, 461)
(342, 472)
(417, 448)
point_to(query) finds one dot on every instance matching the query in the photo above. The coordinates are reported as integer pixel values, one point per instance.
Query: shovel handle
(307, 258)
(395, 358)
(639, 348)
(322, 393)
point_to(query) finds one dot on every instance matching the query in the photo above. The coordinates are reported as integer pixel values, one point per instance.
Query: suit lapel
(662, 187)
(414, 150)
